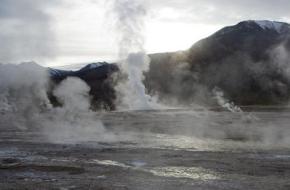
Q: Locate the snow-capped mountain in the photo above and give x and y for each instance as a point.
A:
(91, 71)
(271, 25)
(250, 61)
(257, 25)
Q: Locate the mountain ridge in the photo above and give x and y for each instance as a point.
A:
(240, 59)
(249, 62)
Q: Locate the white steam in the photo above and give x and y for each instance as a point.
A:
(24, 105)
(223, 102)
(22, 93)
(134, 61)
(74, 121)
(230, 106)
(73, 94)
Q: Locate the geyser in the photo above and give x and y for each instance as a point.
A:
(130, 16)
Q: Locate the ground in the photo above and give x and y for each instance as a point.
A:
(172, 149)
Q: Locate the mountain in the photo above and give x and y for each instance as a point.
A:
(97, 76)
(92, 71)
(249, 61)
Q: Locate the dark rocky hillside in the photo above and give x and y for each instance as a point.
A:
(98, 77)
(248, 61)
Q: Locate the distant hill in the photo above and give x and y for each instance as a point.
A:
(97, 76)
(248, 61)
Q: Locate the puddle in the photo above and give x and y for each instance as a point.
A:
(175, 172)
(111, 163)
(10, 152)
(282, 156)
(138, 163)
(184, 172)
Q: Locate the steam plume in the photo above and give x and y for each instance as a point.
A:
(24, 105)
(223, 102)
(130, 23)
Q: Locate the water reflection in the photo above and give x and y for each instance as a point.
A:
(196, 173)
(185, 172)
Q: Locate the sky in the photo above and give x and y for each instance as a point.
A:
(63, 32)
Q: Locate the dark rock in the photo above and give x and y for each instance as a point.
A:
(99, 78)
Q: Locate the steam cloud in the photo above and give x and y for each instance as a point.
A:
(74, 121)
(23, 93)
(24, 104)
(23, 88)
(223, 102)
(134, 61)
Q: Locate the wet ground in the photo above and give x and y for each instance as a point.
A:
(171, 149)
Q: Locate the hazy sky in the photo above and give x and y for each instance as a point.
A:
(57, 32)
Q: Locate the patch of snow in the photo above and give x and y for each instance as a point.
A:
(54, 72)
(265, 24)
(95, 65)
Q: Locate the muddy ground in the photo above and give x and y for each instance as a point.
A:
(172, 149)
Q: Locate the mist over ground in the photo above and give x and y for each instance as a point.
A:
(214, 116)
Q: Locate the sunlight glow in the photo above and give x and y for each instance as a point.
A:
(167, 36)
(92, 36)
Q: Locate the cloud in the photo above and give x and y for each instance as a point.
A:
(25, 32)
(223, 12)
(71, 30)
